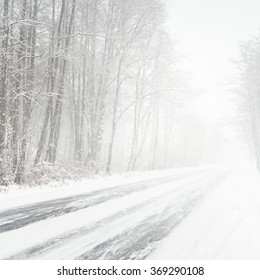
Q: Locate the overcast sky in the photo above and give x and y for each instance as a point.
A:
(208, 32)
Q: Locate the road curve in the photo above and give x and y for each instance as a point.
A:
(130, 232)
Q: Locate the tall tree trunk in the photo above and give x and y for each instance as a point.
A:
(53, 64)
(3, 94)
(91, 159)
(27, 104)
(55, 126)
(20, 101)
(136, 121)
(112, 138)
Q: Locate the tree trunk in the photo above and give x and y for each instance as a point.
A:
(55, 125)
(3, 81)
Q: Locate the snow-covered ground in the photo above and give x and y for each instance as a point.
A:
(22, 195)
(178, 213)
(225, 226)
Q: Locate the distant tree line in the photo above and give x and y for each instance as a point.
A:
(249, 108)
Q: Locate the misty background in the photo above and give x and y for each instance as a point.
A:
(108, 86)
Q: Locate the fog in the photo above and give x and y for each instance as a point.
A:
(129, 129)
(99, 87)
(209, 35)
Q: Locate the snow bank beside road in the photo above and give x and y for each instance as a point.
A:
(35, 234)
(18, 197)
(225, 226)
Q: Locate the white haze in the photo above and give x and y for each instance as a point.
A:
(208, 35)
(137, 122)
(174, 104)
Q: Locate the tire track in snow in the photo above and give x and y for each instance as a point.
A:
(140, 241)
(22, 216)
(137, 241)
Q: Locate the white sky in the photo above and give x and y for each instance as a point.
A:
(208, 33)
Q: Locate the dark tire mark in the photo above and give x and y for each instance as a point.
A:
(139, 242)
(25, 215)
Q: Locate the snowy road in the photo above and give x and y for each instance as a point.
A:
(125, 221)
(225, 226)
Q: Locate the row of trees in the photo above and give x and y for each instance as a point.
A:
(249, 70)
(84, 82)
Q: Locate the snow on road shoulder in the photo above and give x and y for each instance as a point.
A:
(15, 241)
(19, 197)
(225, 226)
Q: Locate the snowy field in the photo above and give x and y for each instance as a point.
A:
(197, 213)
